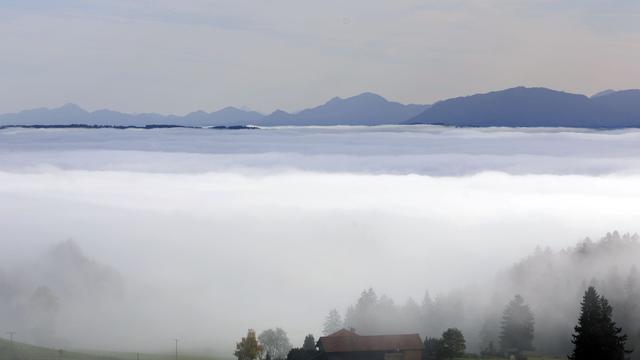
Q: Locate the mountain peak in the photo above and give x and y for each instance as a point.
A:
(198, 112)
(71, 107)
(369, 96)
(279, 113)
(231, 109)
(603, 93)
(334, 100)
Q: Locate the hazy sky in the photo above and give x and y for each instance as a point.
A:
(178, 56)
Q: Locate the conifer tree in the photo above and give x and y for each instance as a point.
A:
(517, 328)
(596, 336)
(332, 323)
(309, 343)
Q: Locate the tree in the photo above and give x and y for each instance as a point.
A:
(301, 354)
(248, 348)
(361, 315)
(275, 343)
(452, 344)
(309, 343)
(489, 351)
(431, 348)
(516, 332)
(596, 335)
(332, 323)
(43, 310)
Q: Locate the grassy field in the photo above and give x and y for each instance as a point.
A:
(20, 351)
(530, 358)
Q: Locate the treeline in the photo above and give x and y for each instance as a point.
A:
(552, 283)
(596, 336)
(273, 344)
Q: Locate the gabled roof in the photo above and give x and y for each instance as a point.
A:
(344, 332)
(347, 341)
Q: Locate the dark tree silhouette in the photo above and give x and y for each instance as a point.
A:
(452, 344)
(302, 354)
(309, 343)
(516, 333)
(431, 348)
(596, 336)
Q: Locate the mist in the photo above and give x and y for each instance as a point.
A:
(146, 236)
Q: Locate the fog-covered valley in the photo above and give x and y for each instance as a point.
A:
(201, 234)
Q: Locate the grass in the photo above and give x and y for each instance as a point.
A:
(21, 351)
(529, 357)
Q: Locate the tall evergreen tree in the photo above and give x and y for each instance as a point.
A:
(366, 314)
(332, 323)
(517, 328)
(596, 336)
(309, 343)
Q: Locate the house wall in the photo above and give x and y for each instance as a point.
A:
(412, 355)
(357, 355)
(376, 355)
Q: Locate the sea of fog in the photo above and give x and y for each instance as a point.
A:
(217, 231)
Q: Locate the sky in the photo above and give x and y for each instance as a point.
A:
(215, 232)
(177, 57)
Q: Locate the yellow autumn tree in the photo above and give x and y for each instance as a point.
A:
(248, 348)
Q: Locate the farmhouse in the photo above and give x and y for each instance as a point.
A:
(347, 345)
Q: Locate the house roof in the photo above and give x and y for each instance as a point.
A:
(343, 332)
(347, 341)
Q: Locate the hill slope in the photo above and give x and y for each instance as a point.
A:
(536, 107)
(363, 109)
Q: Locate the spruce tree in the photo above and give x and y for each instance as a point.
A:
(332, 323)
(516, 333)
(596, 336)
(309, 343)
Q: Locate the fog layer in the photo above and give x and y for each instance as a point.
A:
(201, 234)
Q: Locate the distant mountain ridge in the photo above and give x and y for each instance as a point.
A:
(536, 107)
(73, 114)
(514, 107)
(363, 109)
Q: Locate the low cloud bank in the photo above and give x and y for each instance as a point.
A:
(204, 235)
(425, 150)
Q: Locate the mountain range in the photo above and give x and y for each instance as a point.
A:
(514, 107)
(363, 109)
(536, 107)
